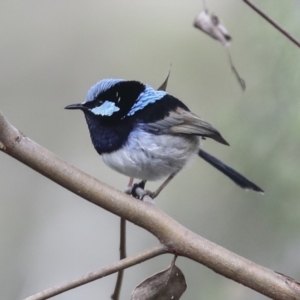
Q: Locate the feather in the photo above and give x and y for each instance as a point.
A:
(181, 121)
(148, 96)
(236, 177)
(100, 87)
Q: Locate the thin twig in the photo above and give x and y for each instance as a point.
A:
(122, 249)
(276, 25)
(108, 270)
(178, 239)
(240, 80)
(116, 293)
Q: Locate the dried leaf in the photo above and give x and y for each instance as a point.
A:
(165, 285)
(240, 80)
(163, 86)
(211, 25)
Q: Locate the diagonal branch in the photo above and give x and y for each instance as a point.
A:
(108, 270)
(273, 23)
(178, 239)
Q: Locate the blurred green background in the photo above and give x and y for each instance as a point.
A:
(53, 51)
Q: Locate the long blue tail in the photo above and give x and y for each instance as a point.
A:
(236, 177)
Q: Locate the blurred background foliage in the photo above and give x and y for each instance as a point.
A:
(53, 51)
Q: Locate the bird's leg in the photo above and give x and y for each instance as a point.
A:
(162, 186)
(128, 189)
(149, 193)
(156, 193)
(130, 183)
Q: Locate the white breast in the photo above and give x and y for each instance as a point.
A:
(151, 157)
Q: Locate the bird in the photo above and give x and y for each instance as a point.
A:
(148, 134)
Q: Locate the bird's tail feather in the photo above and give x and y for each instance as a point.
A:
(236, 177)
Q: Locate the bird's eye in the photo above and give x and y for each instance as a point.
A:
(93, 104)
(118, 97)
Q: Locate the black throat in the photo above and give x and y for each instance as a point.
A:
(107, 136)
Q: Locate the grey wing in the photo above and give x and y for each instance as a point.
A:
(181, 121)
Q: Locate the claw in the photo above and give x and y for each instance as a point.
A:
(141, 194)
(140, 185)
(150, 198)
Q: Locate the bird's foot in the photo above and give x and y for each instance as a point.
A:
(138, 192)
(128, 190)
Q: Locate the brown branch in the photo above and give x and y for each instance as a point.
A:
(92, 276)
(178, 239)
(273, 23)
(116, 293)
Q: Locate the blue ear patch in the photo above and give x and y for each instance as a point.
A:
(105, 109)
(100, 87)
(148, 96)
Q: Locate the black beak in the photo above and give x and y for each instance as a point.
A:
(75, 106)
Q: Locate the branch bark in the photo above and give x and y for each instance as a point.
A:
(178, 239)
(117, 290)
(92, 276)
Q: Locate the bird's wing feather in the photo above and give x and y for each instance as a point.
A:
(182, 121)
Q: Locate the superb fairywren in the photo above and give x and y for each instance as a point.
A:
(148, 134)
